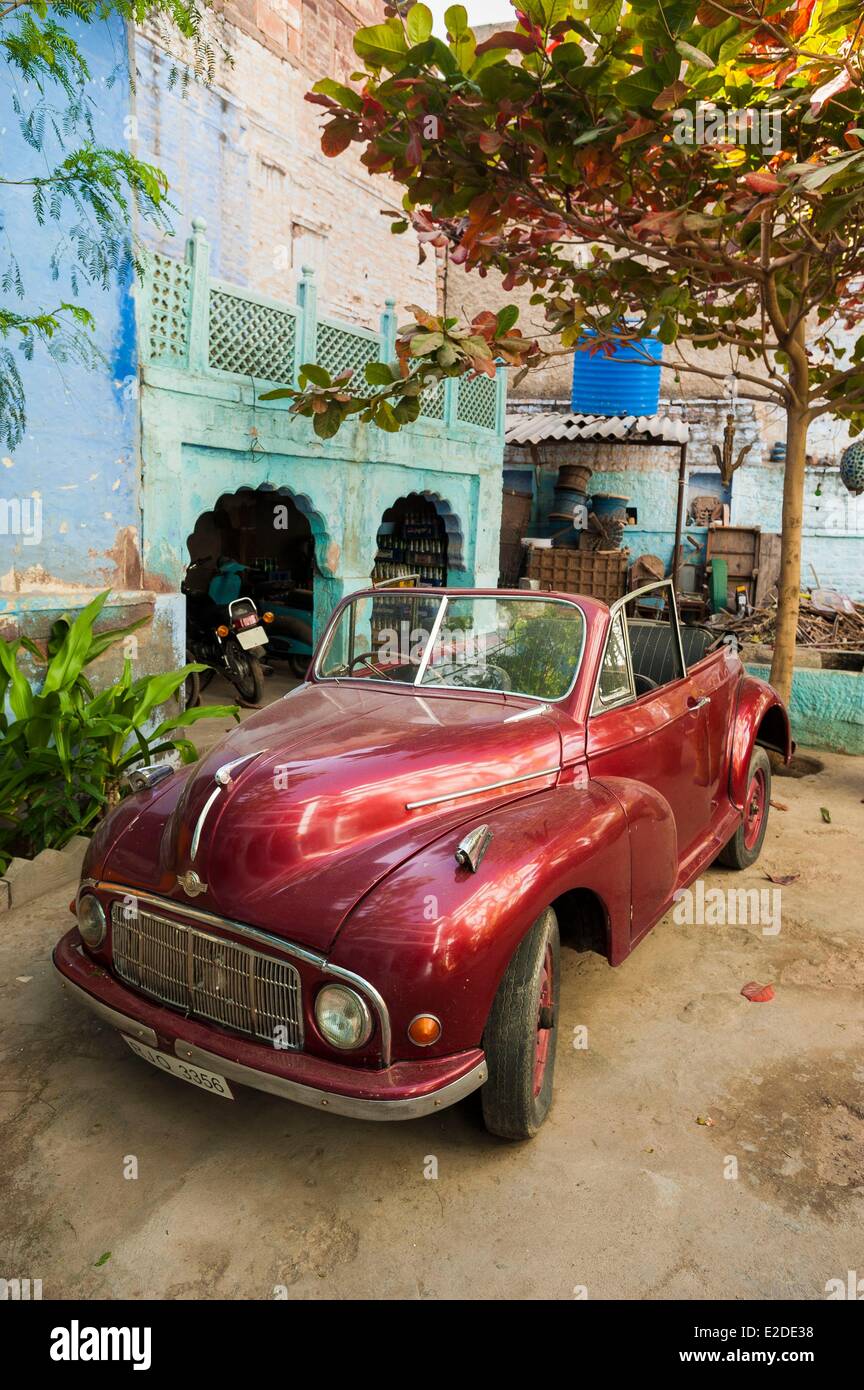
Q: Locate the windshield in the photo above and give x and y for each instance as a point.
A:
(528, 646)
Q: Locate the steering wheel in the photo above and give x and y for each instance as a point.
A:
(364, 657)
(642, 684)
(486, 677)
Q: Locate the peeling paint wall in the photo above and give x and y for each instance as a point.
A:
(79, 454)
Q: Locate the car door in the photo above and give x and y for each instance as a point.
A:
(654, 745)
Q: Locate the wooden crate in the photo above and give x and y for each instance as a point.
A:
(600, 573)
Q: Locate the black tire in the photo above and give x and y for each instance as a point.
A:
(299, 665)
(512, 1107)
(245, 674)
(192, 690)
(745, 845)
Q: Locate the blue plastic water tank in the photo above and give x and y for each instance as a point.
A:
(620, 384)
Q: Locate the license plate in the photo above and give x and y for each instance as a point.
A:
(196, 1076)
(255, 637)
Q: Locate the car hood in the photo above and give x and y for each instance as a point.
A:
(325, 804)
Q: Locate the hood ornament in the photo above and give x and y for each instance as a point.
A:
(471, 849)
(191, 883)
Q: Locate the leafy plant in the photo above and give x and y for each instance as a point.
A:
(65, 749)
(88, 190)
(615, 128)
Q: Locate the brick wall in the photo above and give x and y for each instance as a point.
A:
(245, 154)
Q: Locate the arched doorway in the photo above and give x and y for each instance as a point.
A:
(265, 530)
(413, 539)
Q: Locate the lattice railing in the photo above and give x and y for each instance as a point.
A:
(337, 348)
(200, 324)
(251, 338)
(433, 402)
(169, 283)
(477, 402)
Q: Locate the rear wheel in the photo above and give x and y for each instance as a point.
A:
(521, 1035)
(746, 844)
(245, 673)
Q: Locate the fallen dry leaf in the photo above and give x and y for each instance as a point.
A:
(779, 805)
(782, 878)
(758, 994)
(825, 814)
(704, 1120)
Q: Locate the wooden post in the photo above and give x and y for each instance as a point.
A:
(679, 515)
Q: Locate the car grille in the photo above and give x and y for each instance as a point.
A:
(208, 976)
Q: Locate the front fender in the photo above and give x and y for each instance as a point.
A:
(434, 937)
(760, 716)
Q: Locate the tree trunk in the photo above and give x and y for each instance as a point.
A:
(789, 583)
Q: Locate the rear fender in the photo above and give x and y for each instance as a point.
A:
(760, 717)
(436, 938)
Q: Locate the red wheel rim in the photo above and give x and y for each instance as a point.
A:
(754, 808)
(545, 1002)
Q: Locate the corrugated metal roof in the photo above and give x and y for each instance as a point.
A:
(554, 426)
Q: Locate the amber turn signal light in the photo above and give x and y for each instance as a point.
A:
(221, 630)
(266, 617)
(424, 1030)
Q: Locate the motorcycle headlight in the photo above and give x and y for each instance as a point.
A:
(343, 1017)
(91, 920)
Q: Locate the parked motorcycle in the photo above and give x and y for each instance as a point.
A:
(224, 629)
(291, 631)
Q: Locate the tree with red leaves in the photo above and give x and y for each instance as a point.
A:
(710, 153)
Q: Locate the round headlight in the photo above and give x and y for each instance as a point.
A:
(91, 920)
(343, 1017)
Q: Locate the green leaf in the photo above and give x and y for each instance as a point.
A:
(382, 45)
(456, 19)
(604, 15)
(419, 23)
(506, 319)
(346, 96)
(378, 374)
(639, 91)
(424, 343)
(695, 55)
(103, 1259)
(319, 376)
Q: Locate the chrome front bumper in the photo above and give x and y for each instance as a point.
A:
(356, 1107)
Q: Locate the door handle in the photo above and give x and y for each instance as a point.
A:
(693, 704)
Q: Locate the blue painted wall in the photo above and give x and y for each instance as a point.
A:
(79, 453)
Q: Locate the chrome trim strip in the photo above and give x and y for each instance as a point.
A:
(476, 791)
(350, 978)
(196, 838)
(222, 778)
(433, 637)
(108, 1015)
(266, 939)
(356, 1107)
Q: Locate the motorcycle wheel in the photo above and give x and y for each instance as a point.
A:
(245, 674)
(192, 684)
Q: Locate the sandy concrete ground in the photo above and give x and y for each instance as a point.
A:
(623, 1192)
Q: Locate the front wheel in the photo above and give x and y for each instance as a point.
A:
(746, 844)
(522, 1034)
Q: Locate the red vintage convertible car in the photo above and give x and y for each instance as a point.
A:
(354, 901)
